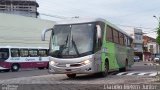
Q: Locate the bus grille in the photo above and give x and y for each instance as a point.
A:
(71, 65)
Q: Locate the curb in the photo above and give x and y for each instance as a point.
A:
(152, 64)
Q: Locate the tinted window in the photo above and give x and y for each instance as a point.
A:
(129, 42)
(121, 38)
(43, 52)
(4, 54)
(72, 40)
(109, 35)
(14, 52)
(115, 36)
(125, 40)
(24, 52)
(33, 52)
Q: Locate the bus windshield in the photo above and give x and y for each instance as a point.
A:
(4, 54)
(72, 40)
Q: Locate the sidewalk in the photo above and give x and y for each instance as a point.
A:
(142, 63)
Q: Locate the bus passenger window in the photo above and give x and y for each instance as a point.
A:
(24, 52)
(15, 52)
(125, 40)
(43, 52)
(4, 54)
(121, 38)
(129, 43)
(109, 35)
(115, 36)
(33, 52)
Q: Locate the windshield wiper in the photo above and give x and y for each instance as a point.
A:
(58, 53)
(75, 46)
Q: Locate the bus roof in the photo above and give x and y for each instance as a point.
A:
(87, 20)
(23, 47)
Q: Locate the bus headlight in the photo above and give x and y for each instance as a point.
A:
(52, 63)
(86, 62)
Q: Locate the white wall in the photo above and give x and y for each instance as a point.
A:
(155, 47)
(23, 31)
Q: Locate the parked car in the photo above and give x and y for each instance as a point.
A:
(136, 59)
(157, 58)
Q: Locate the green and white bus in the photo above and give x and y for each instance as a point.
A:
(85, 46)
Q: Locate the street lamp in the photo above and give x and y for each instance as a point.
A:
(158, 19)
(155, 17)
(158, 28)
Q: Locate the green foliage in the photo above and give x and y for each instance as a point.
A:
(158, 39)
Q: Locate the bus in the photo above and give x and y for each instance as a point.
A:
(14, 58)
(86, 46)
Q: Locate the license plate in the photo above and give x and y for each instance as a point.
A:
(68, 69)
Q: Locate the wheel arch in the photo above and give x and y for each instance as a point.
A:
(16, 64)
(106, 60)
(126, 62)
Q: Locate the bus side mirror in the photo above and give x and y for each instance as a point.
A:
(98, 31)
(44, 33)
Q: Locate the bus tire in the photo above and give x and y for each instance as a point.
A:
(40, 68)
(124, 69)
(6, 70)
(71, 75)
(15, 67)
(105, 72)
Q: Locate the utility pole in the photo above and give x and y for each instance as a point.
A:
(158, 41)
(158, 30)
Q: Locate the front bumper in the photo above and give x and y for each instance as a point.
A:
(84, 69)
(2, 68)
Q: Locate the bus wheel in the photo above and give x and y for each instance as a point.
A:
(71, 75)
(15, 67)
(124, 69)
(40, 68)
(106, 69)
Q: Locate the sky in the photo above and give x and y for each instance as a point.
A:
(123, 13)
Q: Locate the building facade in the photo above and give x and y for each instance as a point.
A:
(23, 31)
(137, 36)
(19, 7)
(150, 48)
(138, 43)
(138, 40)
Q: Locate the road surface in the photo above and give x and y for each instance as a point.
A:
(139, 74)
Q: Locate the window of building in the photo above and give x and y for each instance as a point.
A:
(14, 52)
(151, 46)
(138, 37)
(138, 45)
